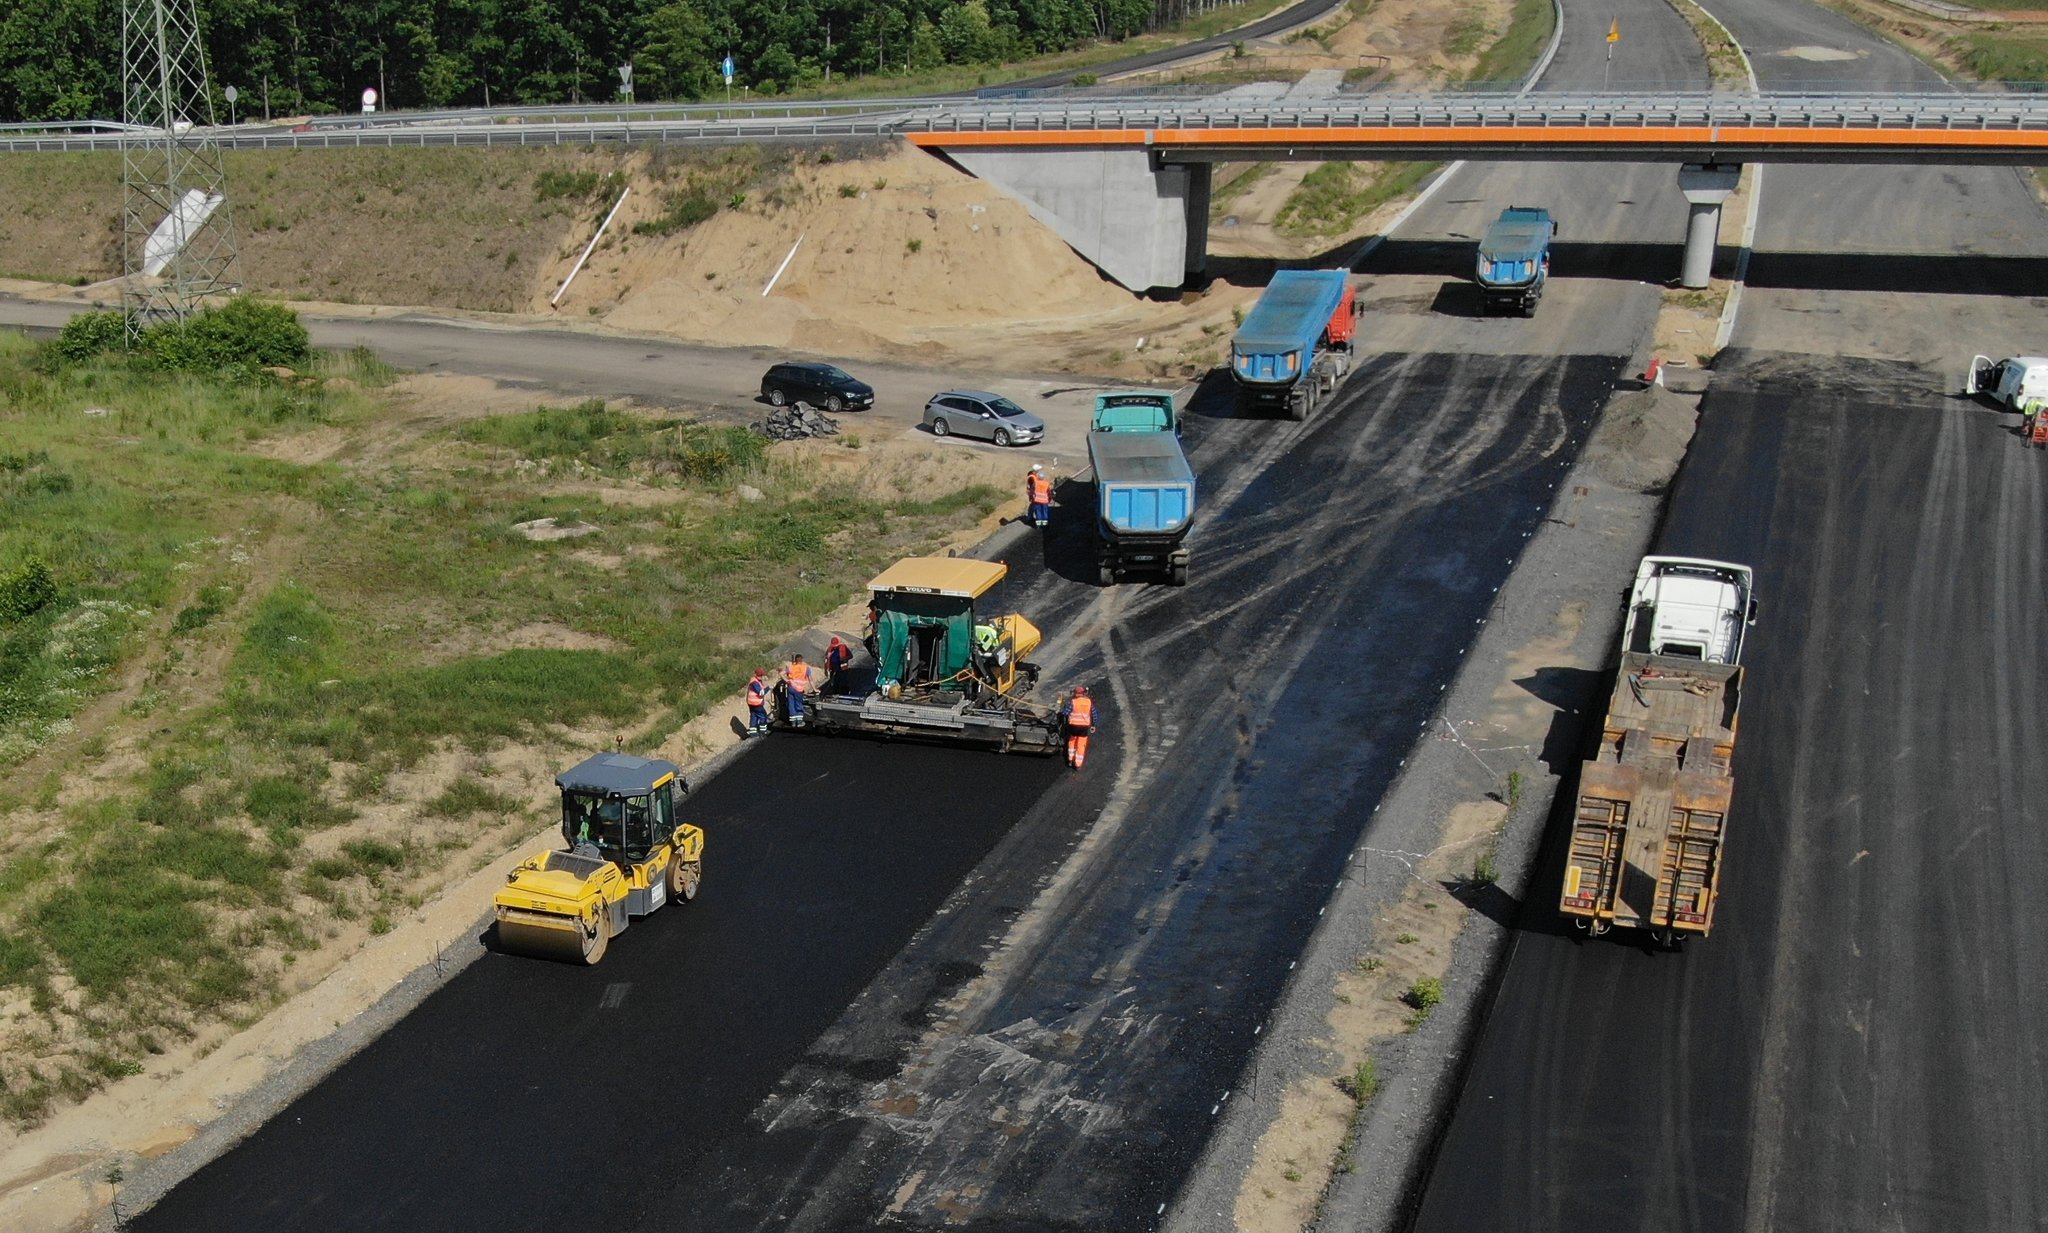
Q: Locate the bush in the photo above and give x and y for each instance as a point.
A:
(89, 334)
(27, 590)
(244, 332)
(1425, 995)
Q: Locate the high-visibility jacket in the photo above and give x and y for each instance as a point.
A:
(1081, 713)
(1038, 489)
(757, 692)
(986, 637)
(799, 677)
(837, 656)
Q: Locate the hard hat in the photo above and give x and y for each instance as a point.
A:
(1079, 690)
(1037, 466)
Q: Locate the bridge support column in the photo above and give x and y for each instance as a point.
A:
(1707, 186)
(1142, 222)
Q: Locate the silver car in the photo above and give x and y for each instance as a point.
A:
(978, 413)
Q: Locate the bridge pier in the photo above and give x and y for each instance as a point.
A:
(1707, 187)
(1141, 221)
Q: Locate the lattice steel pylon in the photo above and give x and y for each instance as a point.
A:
(177, 236)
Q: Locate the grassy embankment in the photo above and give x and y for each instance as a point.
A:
(456, 228)
(1336, 195)
(2012, 54)
(266, 650)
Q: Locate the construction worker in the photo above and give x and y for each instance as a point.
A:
(796, 677)
(1038, 491)
(838, 657)
(1079, 714)
(757, 704)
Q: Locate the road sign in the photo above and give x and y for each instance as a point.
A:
(369, 99)
(231, 94)
(626, 76)
(726, 68)
(1614, 31)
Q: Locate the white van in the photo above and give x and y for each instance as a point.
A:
(2011, 383)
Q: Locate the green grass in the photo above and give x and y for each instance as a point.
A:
(1519, 47)
(467, 796)
(1222, 195)
(1335, 196)
(373, 641)
(2002, 55)
(1466, 34)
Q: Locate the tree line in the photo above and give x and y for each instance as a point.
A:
(61, 59)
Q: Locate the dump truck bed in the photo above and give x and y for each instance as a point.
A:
(1653, 803)
(1143, 480)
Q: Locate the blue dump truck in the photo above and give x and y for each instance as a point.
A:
(1514, 260)
(1295, 347)
(1144, 488)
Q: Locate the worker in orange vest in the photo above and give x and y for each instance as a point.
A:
(1079, 714)
(796, 678)
(757, 704)
(1038, 491)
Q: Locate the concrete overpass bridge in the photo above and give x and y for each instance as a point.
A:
(1126, 180)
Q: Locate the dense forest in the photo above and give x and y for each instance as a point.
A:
(61, 59)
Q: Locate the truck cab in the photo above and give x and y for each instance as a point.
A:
(1514, 260)
(1689, 608)
(1134, 411)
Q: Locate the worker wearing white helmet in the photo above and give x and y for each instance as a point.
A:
(1038, 492)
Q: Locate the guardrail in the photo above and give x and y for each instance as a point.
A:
(1133, 118)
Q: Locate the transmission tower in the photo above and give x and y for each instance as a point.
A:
(177, 241)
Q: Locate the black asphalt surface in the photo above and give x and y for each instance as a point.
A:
(788, 1035)
(1858, 1045)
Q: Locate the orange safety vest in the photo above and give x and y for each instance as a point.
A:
(757, 692)
(1038, 488)
(1081, 713)
(799, 677)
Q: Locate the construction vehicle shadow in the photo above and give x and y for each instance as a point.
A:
(1458, 299)
(1068, 547)
(1215, 398)
(1575, 695)
(1487, 899)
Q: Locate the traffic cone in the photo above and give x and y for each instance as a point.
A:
(1654, 374)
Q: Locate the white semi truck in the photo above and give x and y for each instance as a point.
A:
(1653, 803)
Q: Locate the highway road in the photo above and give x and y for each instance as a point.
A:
(851, 1025)
(1858, 1046)
(944, 989)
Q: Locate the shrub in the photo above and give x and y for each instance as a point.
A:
(1084, 79)
(27, 590)
(244, 332)
(89, 334)
(849, 190)
(1425, 994)
(571, 184)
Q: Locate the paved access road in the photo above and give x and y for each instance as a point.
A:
(1858, 1046)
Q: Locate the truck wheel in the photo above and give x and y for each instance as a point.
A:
(1297, 407)
(1178, 575)
(777, 398)
(1106, 574)
(939, 428)
(684, 877)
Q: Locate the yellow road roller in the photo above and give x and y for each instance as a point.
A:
(627, 853)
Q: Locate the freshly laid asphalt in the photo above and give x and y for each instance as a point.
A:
(788, 1038)
(1858, 1044)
